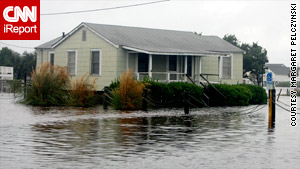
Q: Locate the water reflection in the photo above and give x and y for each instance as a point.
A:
(122, 137)
(88, 138)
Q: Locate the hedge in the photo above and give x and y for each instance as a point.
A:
(174, 92)
(236, 95)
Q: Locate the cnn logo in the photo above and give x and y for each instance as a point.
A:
(20, 20)
(19, 14)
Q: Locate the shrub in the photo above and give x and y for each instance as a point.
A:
(236, 95)
(174, 92)
(259, 95)
(83, 92)
(129, 93)
(48, 86)
(114, 84)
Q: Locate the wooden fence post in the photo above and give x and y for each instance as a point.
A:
(144, 100)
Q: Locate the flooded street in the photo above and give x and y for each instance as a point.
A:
(60, 137)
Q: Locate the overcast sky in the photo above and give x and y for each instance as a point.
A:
(266, 22)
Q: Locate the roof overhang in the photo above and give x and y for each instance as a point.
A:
(216, 54)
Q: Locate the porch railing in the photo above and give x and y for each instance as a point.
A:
(176, 77)
(162, 76)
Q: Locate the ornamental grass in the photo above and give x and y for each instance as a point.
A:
(52, 86)
(48, 86)
(128, 96)
(83, 91)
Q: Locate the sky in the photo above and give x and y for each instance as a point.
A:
(265, 22)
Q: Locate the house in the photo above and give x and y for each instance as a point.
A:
(105, 51)
(6, 73)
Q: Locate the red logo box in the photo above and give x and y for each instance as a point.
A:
(20, 20)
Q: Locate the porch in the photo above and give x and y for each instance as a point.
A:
(177, 68)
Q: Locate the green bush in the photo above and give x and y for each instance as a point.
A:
(174, 92)
(259, 95)
(236, 95)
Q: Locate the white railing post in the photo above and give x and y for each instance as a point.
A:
(137, 76)
(185, 68)
(150, 66)
(168, 77)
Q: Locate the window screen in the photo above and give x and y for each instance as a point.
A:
(226, 68)
(71, 62)
(95, 64)
(52, 59)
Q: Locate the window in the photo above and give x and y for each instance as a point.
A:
(226, 74)
(52, 58)
(72, 62)
(83, 35)
(96, 62)
(172, 63)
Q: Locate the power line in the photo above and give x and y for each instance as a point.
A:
(104, 9)
(16, 46)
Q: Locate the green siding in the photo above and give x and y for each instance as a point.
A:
(109, 61)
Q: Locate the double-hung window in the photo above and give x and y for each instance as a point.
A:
(72, 62)
(52, 58)
(226, 74)
(96, 62)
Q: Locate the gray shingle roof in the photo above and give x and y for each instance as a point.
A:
(161, 41)
(48, 45)
(158, 40)
(278, 69)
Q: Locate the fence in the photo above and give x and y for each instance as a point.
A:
(13, 86)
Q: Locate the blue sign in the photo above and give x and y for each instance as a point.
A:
(269, 78)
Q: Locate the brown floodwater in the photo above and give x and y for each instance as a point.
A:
(68, 137)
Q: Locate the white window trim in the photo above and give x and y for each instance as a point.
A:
(231, 55)
(75, 60)
(100, 61)
(50, 56)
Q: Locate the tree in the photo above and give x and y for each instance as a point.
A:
(232, 39)
(22, 63)
(254, 59)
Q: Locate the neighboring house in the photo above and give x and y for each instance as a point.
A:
(105, 51)
(6, 73)
(280, 72)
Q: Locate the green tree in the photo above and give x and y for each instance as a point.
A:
(22, 63)
(232, 39)
(254, 57)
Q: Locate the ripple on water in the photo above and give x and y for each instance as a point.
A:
(65, 137)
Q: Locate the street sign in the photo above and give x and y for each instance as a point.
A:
(270, 81)
(269, 78)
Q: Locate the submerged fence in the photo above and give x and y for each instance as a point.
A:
(13, 86)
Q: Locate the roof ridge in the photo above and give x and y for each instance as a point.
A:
(138, 27)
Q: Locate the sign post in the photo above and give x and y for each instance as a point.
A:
(272, 100)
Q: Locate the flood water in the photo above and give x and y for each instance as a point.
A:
(56, 137)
